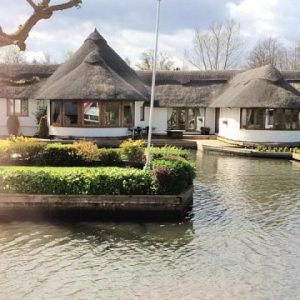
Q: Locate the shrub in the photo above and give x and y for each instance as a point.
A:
(160, 152)
(5, 151)
(110, 157)
(41, 112)
(30, 151)
(181, 176)
(43, 127)
(86, 151)
(133, 150)
(16, 138)
(164, 179)
(13, 125)
(80, 181)
(60, 155)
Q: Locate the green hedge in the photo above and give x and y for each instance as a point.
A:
(75, 180)
(174, 174)
(171, 172)
(159, 152)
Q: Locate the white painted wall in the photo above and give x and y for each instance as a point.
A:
(229, 127)
(137, 117)
(88, 132)
(210, 114)
(28, 125)
(160, 119)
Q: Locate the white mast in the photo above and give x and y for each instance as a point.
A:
(147, 165)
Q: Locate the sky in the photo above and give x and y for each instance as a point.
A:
(129, 25)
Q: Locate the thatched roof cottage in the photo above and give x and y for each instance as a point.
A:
(95, 93)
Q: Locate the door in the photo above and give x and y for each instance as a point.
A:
(217, 119)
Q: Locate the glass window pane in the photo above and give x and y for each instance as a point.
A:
(294, 119)
(250, 118)
(142, 113)
(181, 119)
(55, 112)
(24, 107)
(112, 114)
(279, 122)
(71, 113)
(10, 104)
(269, 118)
(17, 107)
(191, 119)
(244, 118)
(172, 122)
(260, 116)
(91, 113)
(128, 114)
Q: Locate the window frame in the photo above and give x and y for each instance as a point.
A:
(9, 114)
(271, 127)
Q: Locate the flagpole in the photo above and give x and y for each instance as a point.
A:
(147, 165)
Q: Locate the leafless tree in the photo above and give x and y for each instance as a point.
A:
(164, 61)
(272, 51)
(269, 51)
(218, 48)
(41, 10)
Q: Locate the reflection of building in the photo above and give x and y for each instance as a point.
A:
(95, 93)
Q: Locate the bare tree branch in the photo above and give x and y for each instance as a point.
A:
(218, 47)
(41, 11)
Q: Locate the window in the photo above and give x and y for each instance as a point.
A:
(111, 114)
(128, 114)
(183, 118)
(142, 113)
(70, 113)
(277, 119)
(17, 107)
(55, 112)
(91, 113)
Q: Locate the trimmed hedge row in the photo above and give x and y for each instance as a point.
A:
(79, 181)
(170, 173)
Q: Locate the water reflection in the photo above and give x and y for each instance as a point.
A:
(241, 241)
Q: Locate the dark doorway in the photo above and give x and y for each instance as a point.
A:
(217, 118)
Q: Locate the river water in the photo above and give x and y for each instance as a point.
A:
(241, 241)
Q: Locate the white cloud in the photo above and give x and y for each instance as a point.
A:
(132, 43)
(261, 18)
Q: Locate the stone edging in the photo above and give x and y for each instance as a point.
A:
(126, 203)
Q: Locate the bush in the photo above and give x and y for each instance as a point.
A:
(41, 112)
(59, 155)
(110, 157)
(86, 151)
(133, 151)
(180, 178)
(172, 150)
(13, 125)
(30, 151)
(43, 127)
(80, 181)
(5, 151)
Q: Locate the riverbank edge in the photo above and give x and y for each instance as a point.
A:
(249, 153)
(174, 206)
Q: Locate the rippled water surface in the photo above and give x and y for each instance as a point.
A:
(241, 241)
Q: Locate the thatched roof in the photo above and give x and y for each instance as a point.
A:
(12, 76)
(25, 71)
(260, 87)
(95, 71)
(187, 88)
